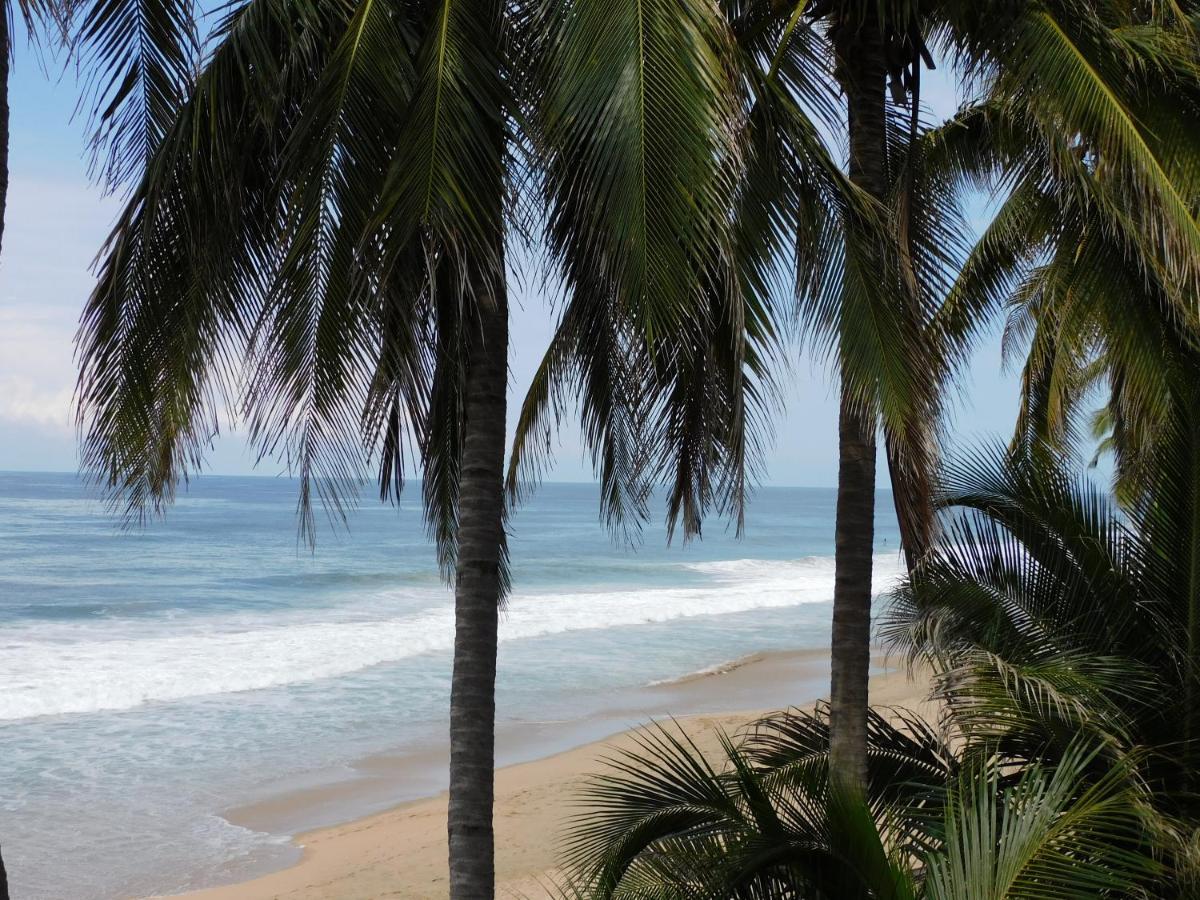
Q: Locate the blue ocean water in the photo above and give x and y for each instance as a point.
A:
(152, 679)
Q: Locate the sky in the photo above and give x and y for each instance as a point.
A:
(57, 219)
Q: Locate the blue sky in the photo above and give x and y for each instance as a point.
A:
(56, 220)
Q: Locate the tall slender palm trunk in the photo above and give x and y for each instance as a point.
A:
(4, 64)
(478, 591)
(862, 73)
(1191, 713)
(4, 113)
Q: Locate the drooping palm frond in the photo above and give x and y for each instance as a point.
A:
(451, 146)
(1076, 126)
(140, 57)
(161, 333)
(326, 324)
(932, 241)
(304, 251)
(984, 149)
(638, 125)
(1087, 70)
(47, 25)
(1092, 296)
(1086, 89)
(442, 209)
(1093, 323)
(790, 203)
(660, 339)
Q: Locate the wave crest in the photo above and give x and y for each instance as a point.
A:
(40, 677)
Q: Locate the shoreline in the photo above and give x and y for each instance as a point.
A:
(417, 771)
(398, 848)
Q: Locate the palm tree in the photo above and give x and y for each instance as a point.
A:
(1037, 75)
(662, 822)
(319, 241)
(1106, 310)
(870, 255)
(800, 224)
(1064, 68)
(335, 133)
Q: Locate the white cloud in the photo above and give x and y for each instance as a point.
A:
(36, 368)
(53, 229)
(24, 401)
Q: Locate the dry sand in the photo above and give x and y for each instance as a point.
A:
(402, 852)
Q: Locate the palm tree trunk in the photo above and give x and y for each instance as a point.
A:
(4, 64)
(478, 591)
(1192, 543)
(850, 646)
(862, 73)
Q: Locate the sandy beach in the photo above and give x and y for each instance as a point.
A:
(401, 852)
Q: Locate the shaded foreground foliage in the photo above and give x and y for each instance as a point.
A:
(1063, 629)
(1063, 765)
(769, 823)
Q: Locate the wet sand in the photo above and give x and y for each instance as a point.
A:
(401, 851)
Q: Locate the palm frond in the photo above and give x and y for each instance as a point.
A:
(664, 339)
(140, 57)
(445, 192)
(1056, 832)
(161, 333)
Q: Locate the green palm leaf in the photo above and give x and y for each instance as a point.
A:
(1052, 834)
(140, 57)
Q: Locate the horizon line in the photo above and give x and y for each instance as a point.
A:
(287, 477)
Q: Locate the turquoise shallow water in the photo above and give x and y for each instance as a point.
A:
(151, 679)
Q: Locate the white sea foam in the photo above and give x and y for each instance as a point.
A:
(80, 673)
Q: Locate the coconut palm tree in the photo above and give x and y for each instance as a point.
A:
(870, 254)
(1066, 68)
(320, 243)
(1019, 119)
(801, 227)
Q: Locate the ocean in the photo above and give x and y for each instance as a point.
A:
(152, 679)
